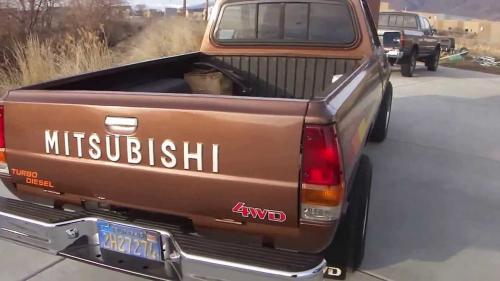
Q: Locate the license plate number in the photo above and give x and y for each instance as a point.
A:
(393, 53)
(130, 240)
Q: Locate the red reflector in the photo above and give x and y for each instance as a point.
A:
(321, 161)
(2, 127)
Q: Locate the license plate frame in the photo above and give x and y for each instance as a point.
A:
(130, 240)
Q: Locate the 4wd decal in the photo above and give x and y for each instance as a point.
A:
(258, 213)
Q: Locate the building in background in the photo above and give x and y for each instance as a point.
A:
(494, 32)
(433, 18)
(450, 25)
(385, 7)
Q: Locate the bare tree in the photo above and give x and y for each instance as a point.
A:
(93, 13)
(29, 14)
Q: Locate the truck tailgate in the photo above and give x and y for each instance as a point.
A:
(198, 156)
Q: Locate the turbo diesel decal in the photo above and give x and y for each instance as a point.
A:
(258, 213)
(32, 178)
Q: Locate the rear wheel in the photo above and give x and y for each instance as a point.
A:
(408, 68)
(433, 61)
(348, 247)
(358, 212)
(381, 126)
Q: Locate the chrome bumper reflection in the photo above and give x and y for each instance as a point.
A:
(78, 239)
(394, 53)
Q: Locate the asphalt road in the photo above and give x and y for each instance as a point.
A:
(435, 212)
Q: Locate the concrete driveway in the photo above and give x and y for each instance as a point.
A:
(435, 212)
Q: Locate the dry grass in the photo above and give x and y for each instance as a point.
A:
(31, 62)
(485, 50)
(165, 37)
(40, 60)
(479, 48)
(36, 60)
(84, 53)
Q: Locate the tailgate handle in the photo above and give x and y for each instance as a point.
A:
(121, 125)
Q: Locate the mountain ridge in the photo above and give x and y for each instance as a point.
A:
(480, 9)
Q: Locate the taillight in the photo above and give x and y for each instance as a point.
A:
(4, 169)
(322, 188)
(402, 40)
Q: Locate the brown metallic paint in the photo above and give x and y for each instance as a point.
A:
(361, 49)
(356, 98)
(259, 151)
(375, 9)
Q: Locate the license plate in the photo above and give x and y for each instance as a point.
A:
(394, 53)
(129, 240)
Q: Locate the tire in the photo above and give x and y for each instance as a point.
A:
(358, 213)
(348, 247)
(381, 126)
(408, 68)
(432, 62)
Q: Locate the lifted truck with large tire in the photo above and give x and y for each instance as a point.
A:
(243, 161)
(408, 38)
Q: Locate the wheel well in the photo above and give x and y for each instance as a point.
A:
(360, 164)
(415, 48)
(388, 86)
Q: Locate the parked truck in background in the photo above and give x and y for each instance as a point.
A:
(243, 161)
(408, 38)
(448, 45)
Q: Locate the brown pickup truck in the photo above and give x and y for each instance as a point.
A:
(243, 161)
(408, 38)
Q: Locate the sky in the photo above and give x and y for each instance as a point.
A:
(164, 3)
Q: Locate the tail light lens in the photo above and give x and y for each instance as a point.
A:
(402, 40)
(322, 188)
(4, 169)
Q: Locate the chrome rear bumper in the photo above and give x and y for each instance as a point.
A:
(394, 53)
(186, 257)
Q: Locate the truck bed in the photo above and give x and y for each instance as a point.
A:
(267, 76)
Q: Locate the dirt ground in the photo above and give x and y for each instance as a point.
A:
(469, 64)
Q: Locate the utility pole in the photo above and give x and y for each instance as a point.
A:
(184, 8)
(206, 10)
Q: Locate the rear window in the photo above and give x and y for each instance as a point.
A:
(286, 22)
(391, 38)
(400, 21)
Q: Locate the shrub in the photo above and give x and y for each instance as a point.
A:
(38, 60)
(35, 60)
(165, 37)
(479, 48)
